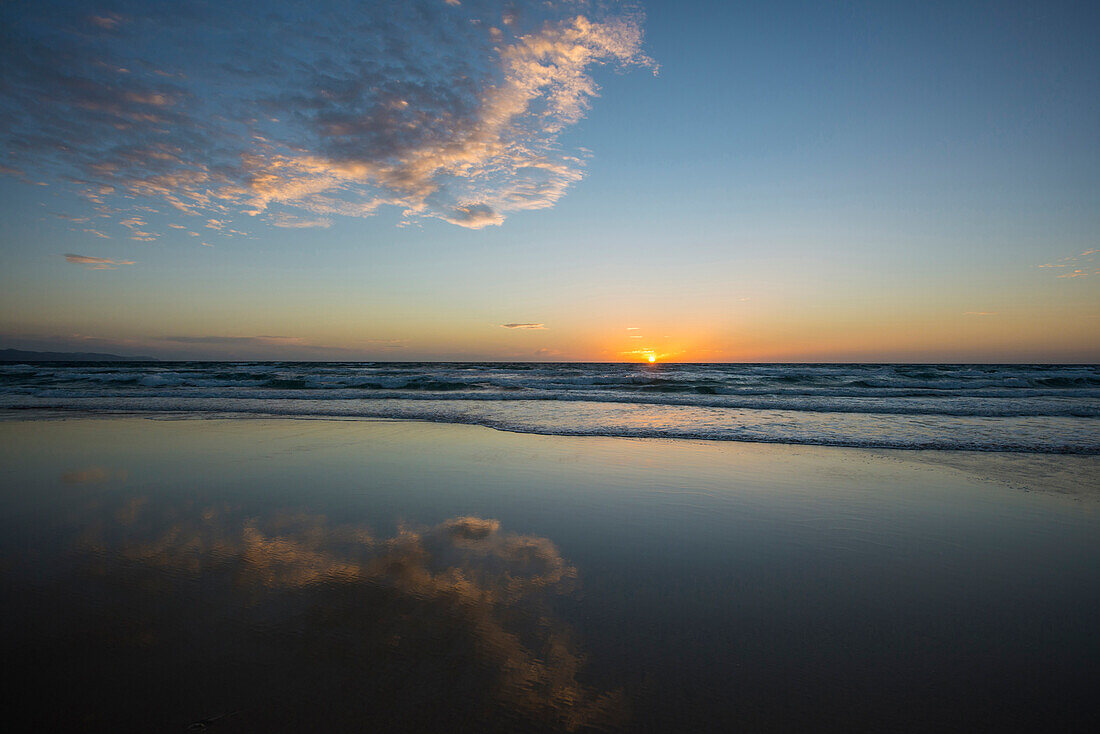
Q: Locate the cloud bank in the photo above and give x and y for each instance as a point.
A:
(309, 110)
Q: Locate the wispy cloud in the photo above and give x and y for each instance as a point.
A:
(524, 326)
(136, 226)
(96, 263)
(330, 108)
(265, 340)
(1073, 261)
(289, 221)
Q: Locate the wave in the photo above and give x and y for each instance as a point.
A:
(1046, 434)
(1047, 408)
(1028, 404)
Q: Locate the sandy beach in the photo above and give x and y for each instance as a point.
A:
(260, 574)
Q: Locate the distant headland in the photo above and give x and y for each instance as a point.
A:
(19, 355)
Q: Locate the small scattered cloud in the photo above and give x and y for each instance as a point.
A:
(473, 216)
(1074, 261)
(387, 343)
(137, 232)
(96, 263)
(290, 221)
(107, 22)
(523, 326)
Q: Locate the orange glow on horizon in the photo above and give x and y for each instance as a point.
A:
(653, 358)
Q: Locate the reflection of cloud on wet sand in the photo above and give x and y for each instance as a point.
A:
(463, 602)
(93, 475)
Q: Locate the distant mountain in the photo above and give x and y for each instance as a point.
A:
(18, 355)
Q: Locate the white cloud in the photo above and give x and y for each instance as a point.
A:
(360, 107)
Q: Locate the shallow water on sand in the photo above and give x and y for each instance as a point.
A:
(289, 575)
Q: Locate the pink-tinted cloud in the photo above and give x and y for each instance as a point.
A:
(96, 263)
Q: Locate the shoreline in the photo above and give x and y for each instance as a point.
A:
(488, 421)
(1074, 477)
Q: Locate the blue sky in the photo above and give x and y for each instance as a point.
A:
(701, 181)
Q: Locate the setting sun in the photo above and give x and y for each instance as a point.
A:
(652, 358)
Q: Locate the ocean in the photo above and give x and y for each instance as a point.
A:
(995, 408)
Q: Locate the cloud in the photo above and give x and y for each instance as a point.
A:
(1072, 261)
(96, 263)
(327, 108)
(523, 326)
(135, 225)
(474, 216)
(234, 339)
(106, 22)
(387, 343)
(282, 219)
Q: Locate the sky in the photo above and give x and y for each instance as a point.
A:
(552, 181)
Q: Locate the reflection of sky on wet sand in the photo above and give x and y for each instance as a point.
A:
(402, 576)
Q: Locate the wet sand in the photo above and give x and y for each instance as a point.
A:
(298, 575)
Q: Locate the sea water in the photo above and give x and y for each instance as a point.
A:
(1001, 408)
